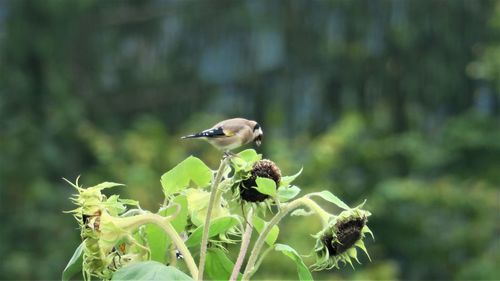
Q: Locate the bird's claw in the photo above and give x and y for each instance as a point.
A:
(229, 154)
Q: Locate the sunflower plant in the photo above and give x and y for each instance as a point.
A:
(203, 212)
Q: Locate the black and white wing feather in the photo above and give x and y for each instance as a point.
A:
(210, 133)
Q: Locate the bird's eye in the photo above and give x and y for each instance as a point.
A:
(257, 126)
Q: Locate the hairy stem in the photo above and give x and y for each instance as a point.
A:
(245, 240)
(261, 258)
(313, 206)
(284, 210)
(211, 203)
(178, 242)
(173, 256)
(260, 242)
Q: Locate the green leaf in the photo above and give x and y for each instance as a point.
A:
(180, 220)
(287, 180)
(198, 206)
(286, 193)
(106, 184)
(158, 241)
(328, 196)
(217, 226)
(250, 155)
(191, 169)
(266, 186)
(245, 160)
(75, 264)
(353, 253)
(114, 206)
(366, 229)
(218, 265)
(290, 252)
(361, 205)
(360, 244)
(259, 224)
(149, 270)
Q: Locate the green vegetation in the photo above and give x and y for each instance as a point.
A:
(393, 101)
(119, 243)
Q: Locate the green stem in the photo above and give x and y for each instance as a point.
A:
(178, 242)
(324, 215)
(211, 203)
(285, 209)
(173, 256)
(260, 242)
(245, 240)
(262, 257)
(133, 222)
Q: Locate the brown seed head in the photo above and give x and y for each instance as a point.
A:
(264, 169)
(347, 234)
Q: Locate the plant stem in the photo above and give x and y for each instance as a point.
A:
(261, 258)
(211, 203)
(245, 240)
(178, 242)
(260, 241)
(173, 256)
(285, 209)
(311, 204)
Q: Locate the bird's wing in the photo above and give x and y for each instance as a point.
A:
(210, 133)
(215, 132)
(232, 126)
(219, 132)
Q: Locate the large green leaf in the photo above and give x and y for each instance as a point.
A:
(328, 196)
(246, 159)
(198, 206)
(191, 169)
(286, 193)
(287, 180)
(158, 241)
(218, 265)
(150, 270)
(249, 155)
(180, 220)
(75, 264)
(217, 226)
(266, 186)
(259, 224)
(302, 270)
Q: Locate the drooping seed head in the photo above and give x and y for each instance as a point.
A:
(337, 242)
(265, 169)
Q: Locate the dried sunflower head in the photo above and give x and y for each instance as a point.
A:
(248, 187)
(337, 242)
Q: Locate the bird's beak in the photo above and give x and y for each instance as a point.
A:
(258, 140)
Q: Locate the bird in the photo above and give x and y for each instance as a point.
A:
(231, 134)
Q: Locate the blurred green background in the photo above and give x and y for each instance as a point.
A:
(393, 101)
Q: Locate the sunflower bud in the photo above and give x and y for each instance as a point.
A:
(264, 169)
(337, 242)
(104, 233)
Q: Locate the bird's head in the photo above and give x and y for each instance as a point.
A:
(257, 133)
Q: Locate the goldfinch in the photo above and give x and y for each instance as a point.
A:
(231, 133)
